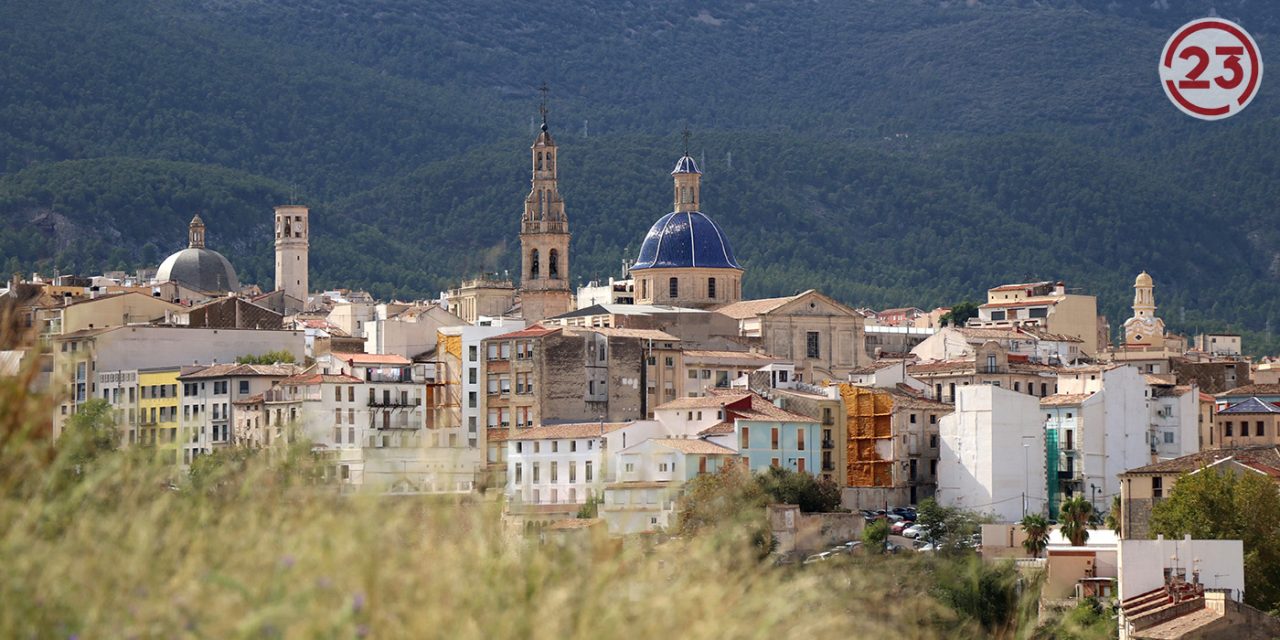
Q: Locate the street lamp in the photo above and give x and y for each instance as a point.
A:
(1093, 493)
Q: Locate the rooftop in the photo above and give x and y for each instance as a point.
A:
(1248, 406)
(1251, 390)
(571, 430)
(1064, 399)
(744, 309)
(240, 370)
(1259, 457)
(694, 446)
(371, 358)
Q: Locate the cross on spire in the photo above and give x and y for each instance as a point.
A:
(685, 134)
(542, 108)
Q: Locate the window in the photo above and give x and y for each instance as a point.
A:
(471, 400)
(1168, 437)
(933, 441)
(351, 394)
(775, 463)
(800, 440)
(811, 344)
(673, 288)
(586, 471)
(1260, 431)
(913, 418)
(991, 363)
(693, 374)
(1228, 427)
(711, 288)
(536, 469)
(773, 438)
(573, 472)
(519, 470)
(630, 467)
(664, 467)
(1157, 487)
(553, 264)
(337, 416)
(473, 353)
(744, 438)
(933, 418)
(555, 469)
(337, 435)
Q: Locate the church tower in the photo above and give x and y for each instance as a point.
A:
(1144, 328)
(293, 233)
(544, 235)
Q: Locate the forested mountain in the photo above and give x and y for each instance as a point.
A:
(889, 153)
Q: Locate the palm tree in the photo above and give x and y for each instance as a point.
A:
(1075, 514)
(1037, 530)
(1113, 516)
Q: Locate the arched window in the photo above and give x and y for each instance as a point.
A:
(539, 165)
(553, 264)
(711, 288)
(533, 264)
(551, 164)
(673, 288)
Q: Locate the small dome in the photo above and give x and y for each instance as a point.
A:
(1143, 280)
(685, 239)
(198, 268)
(685, 165)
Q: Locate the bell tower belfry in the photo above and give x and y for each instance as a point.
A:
(1144, 328)
(293, 233)
(544, 234)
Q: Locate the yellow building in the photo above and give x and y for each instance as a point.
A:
(158, 406)
(1042, 304)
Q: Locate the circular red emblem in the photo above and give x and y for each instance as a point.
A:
(1211, 68)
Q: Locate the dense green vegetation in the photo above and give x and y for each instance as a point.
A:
(905, 153)
(1221, 505)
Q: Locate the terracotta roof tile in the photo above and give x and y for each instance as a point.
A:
(1257, 456)
(1251, 390)
(1064, 399)
(694, 446)
(536, 331)
(573, 430)
(240, 370)
(744, 309)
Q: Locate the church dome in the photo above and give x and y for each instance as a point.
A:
(1143, 280)
(685, 239)
(198, 267)
(203, 269)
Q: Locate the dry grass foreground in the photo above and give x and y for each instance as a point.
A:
(108, 547)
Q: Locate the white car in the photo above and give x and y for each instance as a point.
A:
(818, 557)
(912, 531)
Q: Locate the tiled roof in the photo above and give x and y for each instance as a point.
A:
(744, 309)
(764, 410)
(982, 333)
(1267, 456)
(704, 402)
(1041, 334)
(1021, 285)
(716, 429)
(940, 366)
(693, 446)
(253, 399)
(1064, 399)
(868, 369)
(618, 332)
(318, 378)
(743, 355)
(536, 331)
(909, 401)
(1251, 405)
(1026, 302)
(240, 370)
(371, 358)
(1252, 390)
(573, 430)
(1161, 379)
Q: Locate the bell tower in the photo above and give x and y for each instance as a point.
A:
(544, 234)
(195, 233)
(1144, 328)
(293, 233)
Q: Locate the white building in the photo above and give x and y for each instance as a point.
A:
(406, 330)
(1102, 423)
(611, 292)
(992, 454)
(647, 478)
(957, 343)
(465, 339)
(1175, 418)
(553, 470)
(209, 400)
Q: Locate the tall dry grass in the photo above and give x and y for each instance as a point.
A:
(108, 547)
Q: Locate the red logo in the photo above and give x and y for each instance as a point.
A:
(1211, 68)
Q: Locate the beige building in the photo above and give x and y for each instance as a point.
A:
(1246, 423)
(892, 447)
(991, 364)
(544, 237)
(686, 260)
(1142, 488)
(1042, 304)
(821, 336)
(485, 296)
(113, 310)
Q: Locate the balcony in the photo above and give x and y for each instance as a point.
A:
(828, 444)
(828, 466)
(391, 403)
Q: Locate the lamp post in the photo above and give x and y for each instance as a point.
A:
(1093, 496)
(1026, 476)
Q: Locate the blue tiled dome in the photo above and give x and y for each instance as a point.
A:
(685, 239)
(685, 165)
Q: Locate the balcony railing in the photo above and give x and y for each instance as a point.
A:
(828, 444)
(393, 403)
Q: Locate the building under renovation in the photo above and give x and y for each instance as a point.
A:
(892, 447)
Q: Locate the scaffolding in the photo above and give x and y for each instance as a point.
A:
(1051, 471)
(869, 418)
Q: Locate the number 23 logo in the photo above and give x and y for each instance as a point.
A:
(1230, 62)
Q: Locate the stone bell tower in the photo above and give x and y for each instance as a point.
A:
(544, 235)
(293, 233)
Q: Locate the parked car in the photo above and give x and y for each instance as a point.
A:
(851, 545)
(890, 547)
(893, 517)
(926, 547)
(912, 531)
(818, 557)
(898, 527)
